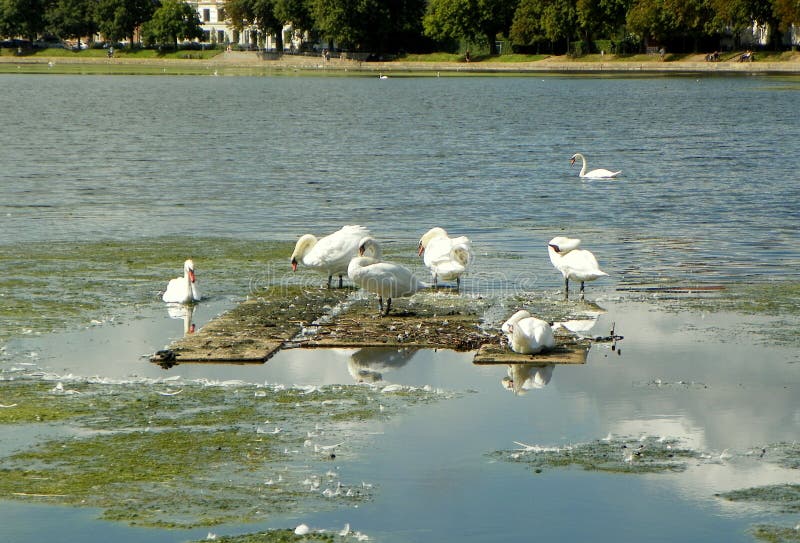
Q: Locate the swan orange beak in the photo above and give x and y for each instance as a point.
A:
(294, 265)
(572, 161)
(191, 275)
(421, 250)
(555, 248)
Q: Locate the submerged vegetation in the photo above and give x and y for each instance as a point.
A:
(192, 454)
(618, 455)
(102, 280)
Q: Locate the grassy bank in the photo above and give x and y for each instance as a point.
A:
(216, 62)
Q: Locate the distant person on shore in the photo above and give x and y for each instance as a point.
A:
(110, 52)
(662, 53)
(466, 56)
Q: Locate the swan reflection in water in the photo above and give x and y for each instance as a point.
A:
(524, 377)
(367, 365)
(183, 312)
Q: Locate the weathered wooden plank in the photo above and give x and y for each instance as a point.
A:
(566, 352)
(425, 323)
(256, 329)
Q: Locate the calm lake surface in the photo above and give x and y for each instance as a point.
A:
(106, 174)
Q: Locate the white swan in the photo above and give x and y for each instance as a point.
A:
(446, 257)
(369, 246)
(573, 263)
(331, 254)
(182, 290)
(386, 279)
(599, 173)
(527, 334)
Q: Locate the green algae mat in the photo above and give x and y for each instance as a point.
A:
(176, 454)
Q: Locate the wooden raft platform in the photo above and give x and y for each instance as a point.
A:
(287, 316)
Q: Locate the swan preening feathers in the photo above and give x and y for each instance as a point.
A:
(599, 173)
(183, 290)
(446, 257)
(386, 279)
(330, 255)
(528, 335)
(573, 263)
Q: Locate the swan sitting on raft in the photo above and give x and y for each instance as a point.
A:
(386, 279)
(331, 254)
(446, 257)
(183, 290)
(599, 173)
(528, 335)
(573, 263)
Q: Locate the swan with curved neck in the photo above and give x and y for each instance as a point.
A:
(573, 263)
(528, 335)
(386, 279)
(600, 173)
(183, 290)
(330, 254)
(446, 257)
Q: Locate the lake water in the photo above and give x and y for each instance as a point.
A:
(108, 182)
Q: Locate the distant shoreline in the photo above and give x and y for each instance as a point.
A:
(246, 62)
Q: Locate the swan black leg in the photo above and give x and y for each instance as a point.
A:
(330, 278)
(340, 281)
(388, 306)
(581, 290)
(380, 305)
(458, 284)
(566, 288)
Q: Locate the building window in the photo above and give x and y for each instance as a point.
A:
(206, 15)
(221, 36)
(220, 14)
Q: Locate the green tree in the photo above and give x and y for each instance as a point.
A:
(22, 18)
(349, 23)
(71, 19)
(543, 21)
(471, 20)
(296, 12)
(601, 17)
(787, 13)
(172, 21)
(119, 19)
(650, 19)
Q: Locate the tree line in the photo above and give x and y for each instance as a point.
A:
(391, 26)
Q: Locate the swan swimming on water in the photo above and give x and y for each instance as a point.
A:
(528, 335)
(446, 257)
(599, 173)
(386, 279)
(573, 263)
(183, 290)
(331, 254)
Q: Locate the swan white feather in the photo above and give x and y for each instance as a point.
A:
(183, 290)
(386, 279)
(528, 335)
(446, 257)
(600, 173)
(573, 263)
(331, 254)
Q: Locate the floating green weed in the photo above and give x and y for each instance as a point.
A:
(650, 455)
(278, 536)
(182, 455)
(785, 497)
(99, 280)
(775, 534)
